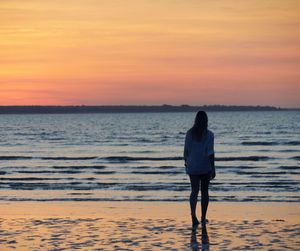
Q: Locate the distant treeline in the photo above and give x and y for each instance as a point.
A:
(129, 108)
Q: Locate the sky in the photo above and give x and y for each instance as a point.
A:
(150, 52)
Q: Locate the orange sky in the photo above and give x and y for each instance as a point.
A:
(65, 52)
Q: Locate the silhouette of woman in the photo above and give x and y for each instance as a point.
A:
(199, 161)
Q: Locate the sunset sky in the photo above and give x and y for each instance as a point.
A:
(94, 52)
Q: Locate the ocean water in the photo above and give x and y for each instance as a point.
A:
(138, 156)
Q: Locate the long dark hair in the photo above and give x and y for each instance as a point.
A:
(200, 125)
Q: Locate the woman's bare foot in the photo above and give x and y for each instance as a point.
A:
(204, 221)
(195, 221)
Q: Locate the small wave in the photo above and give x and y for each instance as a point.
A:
(143, 167)
(239, 167)
(43, 186)
(289, 167)
(227, 167)
(248, 167)
(2, 172)
(16, 167)
(296, 157)
(91, 178)
(156, 187)
(68, 158)
(264, 176)
(248, 158)
(293, 143)
(56, 185)
(128, 158)
(260, 173)
(257, 184)
(56, 139)
(78, 167)
(145, 151)
(269, 143)
(105, 172)
(156, 172)
(14, 157)
(168, 167)
(45, 171)
(289, 150)
(69, 171)
(80, 193)
(30, 178)
(143, 140)
(160, 167)
(259, 143)
(75, 185)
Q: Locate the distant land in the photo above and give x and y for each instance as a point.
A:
(130, 109)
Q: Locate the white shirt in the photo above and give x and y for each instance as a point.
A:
(196, 153)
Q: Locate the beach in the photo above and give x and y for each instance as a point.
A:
(83, 182)
(144, 225)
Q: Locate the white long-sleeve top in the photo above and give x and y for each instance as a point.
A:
(196, 153)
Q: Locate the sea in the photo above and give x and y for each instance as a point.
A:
(139, 156)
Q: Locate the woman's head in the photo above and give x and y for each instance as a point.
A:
(200, 124)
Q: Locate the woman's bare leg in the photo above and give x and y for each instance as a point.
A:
(195, 185)
(204, 196)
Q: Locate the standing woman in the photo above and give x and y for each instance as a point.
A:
(199, 161)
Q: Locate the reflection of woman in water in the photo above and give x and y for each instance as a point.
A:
(195, 245)
(199, 163)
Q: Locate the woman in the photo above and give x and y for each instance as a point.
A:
(199, 163)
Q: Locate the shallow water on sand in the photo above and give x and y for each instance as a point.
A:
(146, 234)
(138, 156)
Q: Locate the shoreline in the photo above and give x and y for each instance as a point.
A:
(154, 209)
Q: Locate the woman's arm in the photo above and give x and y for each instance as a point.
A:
(211, 155)
(212, 163)
(186, 150)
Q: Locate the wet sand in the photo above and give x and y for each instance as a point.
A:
(147, 226)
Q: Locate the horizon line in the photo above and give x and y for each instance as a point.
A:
(155, 105)
(77, 109)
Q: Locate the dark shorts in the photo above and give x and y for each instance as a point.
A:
(200, 176)
(195, 181)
